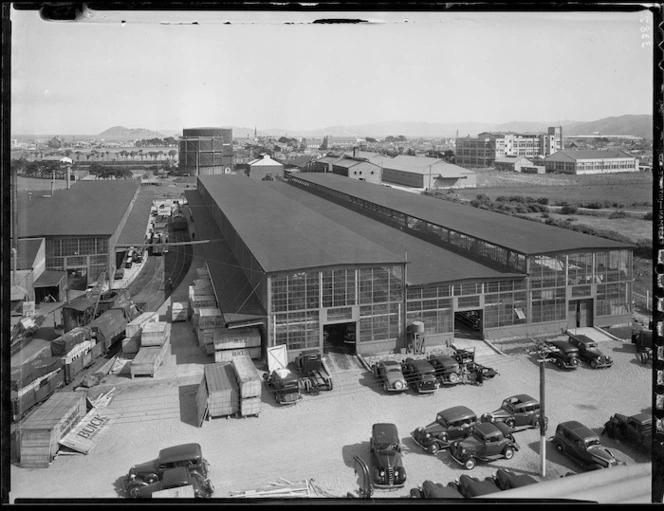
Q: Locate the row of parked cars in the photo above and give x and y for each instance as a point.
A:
(470, 487)
(569, 354)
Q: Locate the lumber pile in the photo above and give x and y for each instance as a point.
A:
(285, 489)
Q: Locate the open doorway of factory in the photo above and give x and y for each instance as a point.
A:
(468, 324)
(77, 278)
(339, 338)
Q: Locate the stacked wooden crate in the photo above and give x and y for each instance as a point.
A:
(210, 320)
(155, 341)
(219, 391)
(249, 382)
(132, 342)
(201, 294)
(237, 341)
(179, 311)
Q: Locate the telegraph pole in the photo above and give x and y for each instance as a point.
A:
(542, 421)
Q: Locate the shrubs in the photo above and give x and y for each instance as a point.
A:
(618, 214)
(648, 216)
(568, 209)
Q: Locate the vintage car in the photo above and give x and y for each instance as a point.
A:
(470, 319)
(172, 478)
(589, 351)
(506, 480)
(579, 443)
(635, 429)
(431, 490)
(516, 411)
(390, 374)
(385, 446)
(450, 424)
(487, 442)
(562, 353)
(185, 455)
(447, 369)
(420, 375)
(285, 386)
(472, 487)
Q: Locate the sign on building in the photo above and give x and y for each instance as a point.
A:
(28, 309)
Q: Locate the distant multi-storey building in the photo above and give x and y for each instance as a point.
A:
(483, 150)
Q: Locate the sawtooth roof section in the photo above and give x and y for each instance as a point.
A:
(524, 236)
(284, 235)
(427, 263)
(88, 208)
(133, 233)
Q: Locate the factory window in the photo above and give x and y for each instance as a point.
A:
(548, 305)
(613, 299)
(297, 330)
(296, 291)
(379, 322)
(338, 288)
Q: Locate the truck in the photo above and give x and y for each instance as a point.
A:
(314, 375)
(643, 341)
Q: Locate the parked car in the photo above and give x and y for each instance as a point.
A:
(516, 411)
(447, 369)
(385, 446)
(119, 274)
(506, 480)
(172, 478)
(487, 442)
(390, 374)
(431, 490)
(420, 374)
(582, 445)
(138, 256)
(185, 455)
(564, 355)
(643, 341)
(472, 487)
(589, 351)
(470, 319)
(450, 424)
(635, 429)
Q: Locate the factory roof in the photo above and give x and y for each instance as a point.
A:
(424, 165)
(427, 263)
(133, 232)
(263, 161)
(88, 208)
(518, 234)
(587, 154)
(27, 250)
(284, 235)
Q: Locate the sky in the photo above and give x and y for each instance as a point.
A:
(272, 70)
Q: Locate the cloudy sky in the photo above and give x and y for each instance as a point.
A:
(158, 71)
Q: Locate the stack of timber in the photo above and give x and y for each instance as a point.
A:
(132, 342)
(210, 320)
(179, 311)
(155, 341)
(40, 433)
(218, 392)
(285, 489)
(249, 382)
(230, 342)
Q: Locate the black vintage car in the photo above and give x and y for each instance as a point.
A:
(431, 490)
(579, 443)
(420, 375)
(172, 478)
(589, 351)
(506, 480)
(635, 429)
(285, 386)
(487, 442)
(188, 456)
(472, 487)
(516, 411)
(447, 369)
(562, 353)
(450, 424)
(390, 374)
(385, 445)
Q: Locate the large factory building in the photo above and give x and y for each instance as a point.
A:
(325, 259)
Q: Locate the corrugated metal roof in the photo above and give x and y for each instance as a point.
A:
(424, 165)
(220, 377)
(283, 235)
(133, 232)
(346, 163)
(427, 263)
(264, 161)
(27, 250)
(50, 278)
(89, 208)
(525, 236)
(587, 154)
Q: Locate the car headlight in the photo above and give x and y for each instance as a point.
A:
(428, 435)
(398, 385)
(381, 473)
(463, 450)
(396, 473)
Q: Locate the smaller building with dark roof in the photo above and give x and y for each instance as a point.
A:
(357, 169)
(426, 173)
(589, 161)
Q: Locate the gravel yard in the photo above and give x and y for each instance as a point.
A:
(318, 437)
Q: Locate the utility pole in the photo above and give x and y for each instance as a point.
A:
(541, 352)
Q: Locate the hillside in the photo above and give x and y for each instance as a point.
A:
(122, 133)
(635, 125)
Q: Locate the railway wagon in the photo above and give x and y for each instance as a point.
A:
(109, 327)
(34, 382)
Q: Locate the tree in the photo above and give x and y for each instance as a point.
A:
(170, 141)
(172, 153)
(401, 138)
(370, 140)
(389, 138)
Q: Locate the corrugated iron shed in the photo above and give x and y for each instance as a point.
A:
(525, 236)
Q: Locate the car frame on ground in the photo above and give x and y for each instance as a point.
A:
(506, 480)
(582, 445)
(487, 442)
(420, 375)
(520, 410)
(177, 477)
(431, 490)
(390, 375)
(589, 351)
(189, 456)
(450, 424)
(635, 429)
(385, 446)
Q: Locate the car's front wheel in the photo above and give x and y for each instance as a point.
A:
(593, 363)
(133, 488)
(433, 448)
(454, 378)
(415, 494)
(470, 463)
(508, 453)
(510, 422)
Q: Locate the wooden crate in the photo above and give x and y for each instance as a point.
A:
(194, 316)
(180, 492)
(247, 376)
(41, 431)
(179, 311)
(205, 335)
(223, 393)
(210, 317)
(202, 272)
(131, 345)
(134, 327)
(147, 360)
(227, 355)
(237, 338)
(155, 334)
(250, 406)
(206, 300)
(203, 282)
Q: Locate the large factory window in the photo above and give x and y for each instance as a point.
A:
(579, 268)
(548, 305)
(296, 291)
(379, 322)
(547, 271)
(338, 288)
(297, 330)
(613, 299)
(435, 313)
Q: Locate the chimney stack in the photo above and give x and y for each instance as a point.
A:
(67, 178)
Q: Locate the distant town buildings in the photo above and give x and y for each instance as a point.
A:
(591, 162)
(483, 150)
(265, 168)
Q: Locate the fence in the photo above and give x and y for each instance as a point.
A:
(642, 301)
